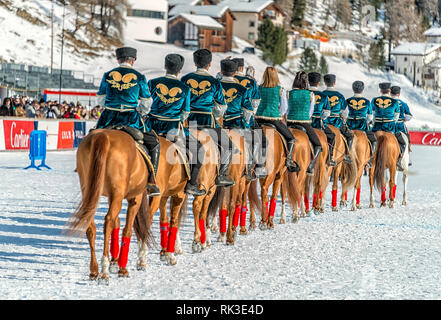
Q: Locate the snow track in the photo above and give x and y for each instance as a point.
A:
(369, 254)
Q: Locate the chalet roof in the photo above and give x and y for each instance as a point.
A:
(434, 31)
(415, 48)
(214, 11)
(247, 6)
(188, 2)
(200, 21)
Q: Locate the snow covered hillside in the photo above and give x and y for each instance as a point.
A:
(26, 42)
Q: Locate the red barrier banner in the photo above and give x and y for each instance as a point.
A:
(66, 135)
(17, 134)
(425, 138)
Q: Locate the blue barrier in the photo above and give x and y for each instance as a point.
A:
(37, 149)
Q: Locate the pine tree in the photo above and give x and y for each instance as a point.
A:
(298, 12)
(308, 61)
(324, 69)
(373, 61)
(272, 41)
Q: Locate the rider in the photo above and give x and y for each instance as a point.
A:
(405, 114)
(171, 106)
(338, 104)
(321, 112)
(208, 103)
(240, 109)
(386, 113)
(119, 92)
(273, 99)
(361, 115)
(301, 103)
(256, 138)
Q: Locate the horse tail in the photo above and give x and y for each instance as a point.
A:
(380, 162)
(183, 211)
(216, 202)
(253, 196)
(84, 214)
(141, 224)
(292, 189)
(349, 172)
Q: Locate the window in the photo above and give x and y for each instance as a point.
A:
(405, 59)
(146, 14)
(252, 24)
(251, 36)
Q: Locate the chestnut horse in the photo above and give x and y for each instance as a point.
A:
(171, 178)
(108, 164)
(275, 167)
(319, 182)
(386, 157)
(207, 177)
(362, 149)
(295, 184)
(346, 172)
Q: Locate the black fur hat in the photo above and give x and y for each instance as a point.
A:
(314, 78)
(202, 58)
(228, 66)
(384, 85)
(358, 86)
(330, 79)
(395, 90)
(240, 62)
(125, 52)
(174, 63)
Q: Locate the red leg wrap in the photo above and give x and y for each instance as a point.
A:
(124, 254)
(114, 243)
(272, 209)
(383, 195)
(314, 200)
(346, 195)
(163, 227)
(306, 202)
(334, 198)
(223, 220)
(358, 196)
(202, 229)
(394, 191)
(321, 195)
(243, 216)
(172, 239)
(236, 215)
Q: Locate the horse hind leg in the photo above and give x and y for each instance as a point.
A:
(91, 237)
(176, 204)
(405, 178)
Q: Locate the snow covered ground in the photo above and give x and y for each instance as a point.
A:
(370, 254)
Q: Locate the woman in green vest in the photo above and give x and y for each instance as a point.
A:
(301, 104)
(273, 98)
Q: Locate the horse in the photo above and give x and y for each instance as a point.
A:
(207, 176)
(347, 172)
(294, 184)
(386, 157)
(319, 182)
(362, 149)
(171, 179)
(109, 164)
(275, 167)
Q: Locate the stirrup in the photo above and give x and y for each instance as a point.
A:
(153, 190)
(223, 181)
(194, 190)
(347, 159)
(292, 167)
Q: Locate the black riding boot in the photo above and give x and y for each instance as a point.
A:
(222, 179)
(259, 168)
(317, 150)
(402, 145)
(331, 155)
(192, 184)
(347, 156)
(290, 164)
(374, 149)
(154, 157)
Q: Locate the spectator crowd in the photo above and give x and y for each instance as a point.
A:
(25, 107)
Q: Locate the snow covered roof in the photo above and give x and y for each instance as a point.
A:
(214, 11)
(434, 31)
(435, 64)
(200, 21)
(247, 5)
(189, 2)
(415, 48)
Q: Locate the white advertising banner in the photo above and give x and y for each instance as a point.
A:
(51, 127)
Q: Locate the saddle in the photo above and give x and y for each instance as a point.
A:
(284, 143)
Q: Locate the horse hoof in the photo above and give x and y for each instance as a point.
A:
(335, 209)
(214, 229)
(282, 221)
(222, 238)
(141, 267)
(93, 276)
(243, 231)
(179, 251)
(252, 227)
(171, 259)
(295, 219)
(230, 242)
(113, 267)
(316, 212)
(263, 225)
(383, 204)
(391, 205)
(204, 246)
(196, 247)
(162, 256)
(103, 279)
(343, 204)
(371, 206)
(123, 273)
(404, 203)
(358, 206)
